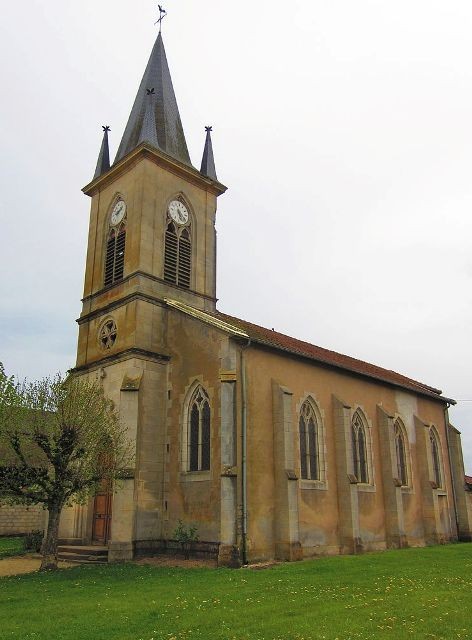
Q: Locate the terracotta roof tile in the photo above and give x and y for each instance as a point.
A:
(286, 343)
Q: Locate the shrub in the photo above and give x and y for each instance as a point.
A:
(185, 535)
(33, 541)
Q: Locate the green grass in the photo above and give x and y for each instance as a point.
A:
(11, 547)
(414, 593)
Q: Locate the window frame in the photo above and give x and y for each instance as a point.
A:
(119, 231)
(183, 269)
(187, 473)
(319, 482)
(366, 481)
(400, 432)
(436, 462)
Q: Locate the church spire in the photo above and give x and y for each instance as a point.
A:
(103, 163)
(165, 112)
(208, 161)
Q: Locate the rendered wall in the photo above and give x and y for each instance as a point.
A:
(325, 508)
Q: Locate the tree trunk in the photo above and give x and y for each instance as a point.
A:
(49, 548)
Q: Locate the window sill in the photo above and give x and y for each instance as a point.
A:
(366, 488)
(195, 476)
(313, 484)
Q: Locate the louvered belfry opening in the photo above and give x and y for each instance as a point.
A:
(178, 255)
(115, 255)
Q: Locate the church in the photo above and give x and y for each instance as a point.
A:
(271, 447)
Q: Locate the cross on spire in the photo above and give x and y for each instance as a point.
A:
(162, 15)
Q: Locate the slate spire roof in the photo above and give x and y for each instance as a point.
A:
(208, 161)
(103, 163)
(170, 133)
(148, 130)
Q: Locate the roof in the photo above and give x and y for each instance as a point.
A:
(168, 125)
(468, 480)
(256, 334)
(282, 342)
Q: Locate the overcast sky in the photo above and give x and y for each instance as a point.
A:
(342, 129)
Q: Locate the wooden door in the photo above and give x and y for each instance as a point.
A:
(101, 517)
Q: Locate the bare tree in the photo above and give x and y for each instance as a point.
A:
(60, 439)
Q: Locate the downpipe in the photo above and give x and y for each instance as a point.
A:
(244, 526)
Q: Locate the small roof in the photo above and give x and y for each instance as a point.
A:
(208, 161)
(468, 481)
(168, 125)
(103, 163)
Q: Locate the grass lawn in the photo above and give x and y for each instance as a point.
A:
(11, 547)
(414, 593)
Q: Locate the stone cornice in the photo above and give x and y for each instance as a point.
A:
(188, 173)
(132, 297)
(149, 276)
(127, 354)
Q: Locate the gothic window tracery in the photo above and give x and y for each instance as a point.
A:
(107, 334)
(436, 457)
(401, 453)
(359, 449)
(198, 438)
(309, 443)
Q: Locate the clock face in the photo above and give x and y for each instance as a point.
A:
(118, 212)
(178, 212)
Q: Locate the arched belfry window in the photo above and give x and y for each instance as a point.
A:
(436, 457)
(198, 436)
(310, 460)
(178, 245)
(116, 246)
(401, 450)
(359, 449)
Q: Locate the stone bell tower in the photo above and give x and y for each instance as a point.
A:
(152, 226)
(151, 239)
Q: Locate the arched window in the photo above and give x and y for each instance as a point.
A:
(115, 254)
(178, 254)
(401, 453)
(359, 449)
(310, 467)
(198, 437)
(436, 457)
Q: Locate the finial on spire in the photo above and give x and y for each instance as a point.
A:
(106, 128)
(162, 15)
(208, 129)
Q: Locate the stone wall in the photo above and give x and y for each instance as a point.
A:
(18, 520)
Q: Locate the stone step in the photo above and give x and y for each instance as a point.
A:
(83, 555)
(83, 550)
